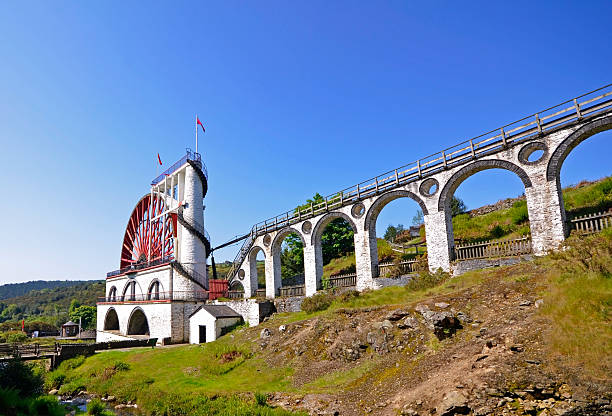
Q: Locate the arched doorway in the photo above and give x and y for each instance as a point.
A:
(138, 324)
(111, 321)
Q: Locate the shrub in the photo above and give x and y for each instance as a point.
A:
(26, 379)
(121, 366)
(46, 406)
(318, 302)
(426, 280)
(261, 399)
(55, 379)
(97, 408)
(12, 404)
(348, 295)
(519, 213)
(16, 337)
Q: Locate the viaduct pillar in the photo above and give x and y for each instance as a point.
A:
(440, 243)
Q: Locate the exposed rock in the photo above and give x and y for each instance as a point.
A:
(53, 391)
(539, 303)
(265, 333)
(397, 314)
(525, 303)
(282, 328)
(409, 322)
(454, 403)
(442, 305)
(444, 324)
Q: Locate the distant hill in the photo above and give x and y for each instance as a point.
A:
(12, 290)
(50, 304)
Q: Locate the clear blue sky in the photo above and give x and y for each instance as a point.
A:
(297, 98)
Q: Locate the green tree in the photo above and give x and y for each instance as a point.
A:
(457, 206)
(87, 315)
(392, 232)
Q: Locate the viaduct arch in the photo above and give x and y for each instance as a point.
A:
(431, 182)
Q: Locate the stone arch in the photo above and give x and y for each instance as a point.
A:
(317, 234)
(236, 286)
(383, 200)
(129, 291)
(462, 174)
(326, 219)
(559, 155)
(112, 294)
(138, 323)
(252, 265)
(275, 253)
(280, 236)
(111, 320)
(155, 288)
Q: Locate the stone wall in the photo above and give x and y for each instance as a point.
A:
(460, 267)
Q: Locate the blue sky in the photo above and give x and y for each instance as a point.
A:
(297, 98)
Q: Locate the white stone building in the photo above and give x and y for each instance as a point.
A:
(209, 322)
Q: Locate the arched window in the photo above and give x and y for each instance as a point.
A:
(154, 291)
(129, 293)
(112, 294)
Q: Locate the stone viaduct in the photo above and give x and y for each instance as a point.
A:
(534, 148)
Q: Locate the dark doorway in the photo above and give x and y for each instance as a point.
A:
(138, 324)
(202, 334)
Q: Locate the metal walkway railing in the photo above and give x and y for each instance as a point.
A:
(520, 131)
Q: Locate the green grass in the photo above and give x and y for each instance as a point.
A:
(579, 303)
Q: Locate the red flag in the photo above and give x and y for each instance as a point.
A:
(200, 123)
(159, 159)
(23, 325)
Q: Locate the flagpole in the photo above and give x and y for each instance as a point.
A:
(196, 125)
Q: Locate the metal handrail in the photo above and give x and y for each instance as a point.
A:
(189, 155)
(195, 295)
(140, 266)
(502, 137)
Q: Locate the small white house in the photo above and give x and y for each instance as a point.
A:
(207, 323)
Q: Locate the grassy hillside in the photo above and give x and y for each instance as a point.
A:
(584, 198)
(328, 360)
(50, 305)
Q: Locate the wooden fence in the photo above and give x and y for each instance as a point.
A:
(28, 350)
(406, 266)
(503, 248)
(592, 223)
(297, 290)
(343, 280)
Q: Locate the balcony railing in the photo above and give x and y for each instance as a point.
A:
(197, 296)
(521, 131)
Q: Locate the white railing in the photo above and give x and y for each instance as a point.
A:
(520, 131)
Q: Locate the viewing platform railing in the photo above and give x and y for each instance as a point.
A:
(189, 155)
(531, 127)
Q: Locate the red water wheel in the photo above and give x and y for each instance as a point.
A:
(144, 238)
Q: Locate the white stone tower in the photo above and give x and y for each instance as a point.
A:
(192, 250)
